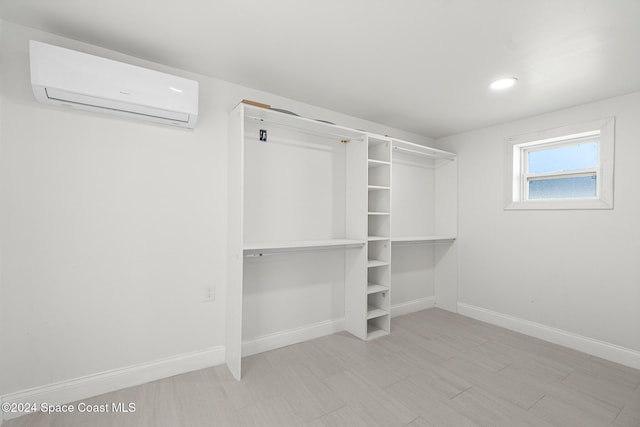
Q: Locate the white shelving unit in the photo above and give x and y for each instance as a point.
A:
(378, 293)
(298, 188)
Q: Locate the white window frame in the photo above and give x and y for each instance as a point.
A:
(516, 178)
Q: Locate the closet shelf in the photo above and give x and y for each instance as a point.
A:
(372, 288)
(421, 150)
(303, 124)
(378, 187)
(377, 238)
(373, 312)
(376, 263)
(302, 244)
(379, 213)
(435, 239)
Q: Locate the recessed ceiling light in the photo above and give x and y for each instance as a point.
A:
(503, 83)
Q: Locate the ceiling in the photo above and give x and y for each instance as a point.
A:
(419, 65)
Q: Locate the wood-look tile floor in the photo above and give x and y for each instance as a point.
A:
(435, 369)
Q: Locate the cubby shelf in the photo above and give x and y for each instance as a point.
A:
(376, 263)
(373, 312)
(372, 288)
(379, 213)
(377, 238)
(378, 187)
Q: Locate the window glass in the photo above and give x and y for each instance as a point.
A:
(563, 188)
(564, 158)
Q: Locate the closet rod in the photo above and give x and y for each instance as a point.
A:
(432, 156)
(311, 132)
(287, 251)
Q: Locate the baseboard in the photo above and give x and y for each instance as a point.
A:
(317, 330)
(291, 336)
(615, 353)
(412, 306)
(116, 379)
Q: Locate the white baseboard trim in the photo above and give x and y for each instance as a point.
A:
(104, 382)
(412, 306)
(615, 353)
(291, 336)
(320, 329)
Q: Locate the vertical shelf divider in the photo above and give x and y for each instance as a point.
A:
(356, 228)
(235, 252)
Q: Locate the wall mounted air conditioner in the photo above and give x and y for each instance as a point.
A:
(65, 77)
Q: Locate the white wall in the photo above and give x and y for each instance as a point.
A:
(110, 229)
(577, 271)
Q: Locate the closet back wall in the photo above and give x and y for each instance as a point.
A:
(294, 189)
(413, 214)
(111, 229)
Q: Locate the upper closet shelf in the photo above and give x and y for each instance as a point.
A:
(423, 239)
(421, 150)
(345, 134)
(303, 124)
(261, 249)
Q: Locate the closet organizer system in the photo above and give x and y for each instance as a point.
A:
(298, 185)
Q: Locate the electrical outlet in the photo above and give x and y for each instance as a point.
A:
(209, 293)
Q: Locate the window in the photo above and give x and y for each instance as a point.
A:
(565, 168)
